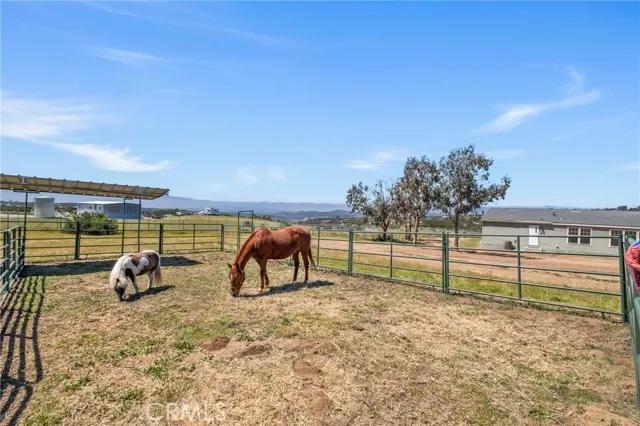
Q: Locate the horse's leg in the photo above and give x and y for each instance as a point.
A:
(263, 273)
(266, 276)
(135, 285)
(150, 275)
(305, 260)
(296, 265)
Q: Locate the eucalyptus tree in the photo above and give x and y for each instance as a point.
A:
(464, 184)
(417, 191)
(376, 203)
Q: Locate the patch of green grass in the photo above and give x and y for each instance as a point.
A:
(158, 369)
(130, 395)
(541, 412)
(141, 346)
(77, 384)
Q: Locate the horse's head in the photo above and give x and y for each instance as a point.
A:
(118, 279)
(236, 276)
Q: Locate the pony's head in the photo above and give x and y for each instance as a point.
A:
(118, 279)
(236, 276)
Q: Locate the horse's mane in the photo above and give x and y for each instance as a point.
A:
(117, 270)
(245, 244)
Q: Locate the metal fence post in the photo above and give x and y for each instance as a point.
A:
(623, 286)
(5, 260)
(519, 267)
(161, 238)
(444, 261)
(391, 258)
(318, 249)
(222, 237)
(76, 254)
(238, 238)
(350, 253)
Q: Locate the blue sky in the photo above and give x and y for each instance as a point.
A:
(296, 101)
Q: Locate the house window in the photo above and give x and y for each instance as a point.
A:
(613, 242)
(579, 235)
(630, 234)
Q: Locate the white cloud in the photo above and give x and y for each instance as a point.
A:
(250, 175)
(126, 57)
(25, 118)
(513, 117)
(377, 160)
(110, 158)
(43, 121)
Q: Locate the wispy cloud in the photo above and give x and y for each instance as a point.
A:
(43, 121)
(25, 118)
(126, 57)
(199, 21)
(506, 154)
(110, 158)
(250, 175)
(377, 160)
(575, 95)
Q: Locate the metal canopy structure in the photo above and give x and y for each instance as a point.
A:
(77, 187)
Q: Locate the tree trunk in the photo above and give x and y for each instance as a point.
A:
(455, 225)
(417, 229)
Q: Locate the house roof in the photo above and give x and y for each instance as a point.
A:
(63, 186)
(609, 218)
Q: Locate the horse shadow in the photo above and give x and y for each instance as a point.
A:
(21, 365)
(289, 287)
(92, 266)
(148, 292)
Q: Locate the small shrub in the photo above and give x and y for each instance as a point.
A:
(508, 245)
(92, 224)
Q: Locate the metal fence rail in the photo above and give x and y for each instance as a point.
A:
(589, 282)
(13, 255)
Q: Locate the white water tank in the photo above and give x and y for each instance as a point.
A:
(44, 207)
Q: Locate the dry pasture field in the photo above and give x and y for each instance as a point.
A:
(338, 350)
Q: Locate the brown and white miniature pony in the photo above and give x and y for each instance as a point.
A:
(265, 244)
(129, 266)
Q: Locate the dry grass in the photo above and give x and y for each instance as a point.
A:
(341, 350)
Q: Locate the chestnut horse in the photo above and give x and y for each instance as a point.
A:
(265, 244)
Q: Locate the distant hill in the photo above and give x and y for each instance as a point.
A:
(312, 214)
(184, 203)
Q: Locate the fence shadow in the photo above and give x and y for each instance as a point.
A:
(88, 267)
(289, 287)
(19, 347)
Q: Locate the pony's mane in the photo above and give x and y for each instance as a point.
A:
(117, 270)
(245, 244)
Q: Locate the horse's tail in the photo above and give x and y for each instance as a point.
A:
(311, 258)
(157, 273)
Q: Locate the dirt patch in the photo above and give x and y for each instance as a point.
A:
(254, 349)
(320, 403)
(215, 344)
(594, 415)
(305, 369)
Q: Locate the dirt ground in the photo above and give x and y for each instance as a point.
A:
(338, 350)
(531, 260)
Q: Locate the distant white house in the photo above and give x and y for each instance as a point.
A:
(111, 209)
(208, 211)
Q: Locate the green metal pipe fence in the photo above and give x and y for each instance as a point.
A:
(632, 303)
(13, 256)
